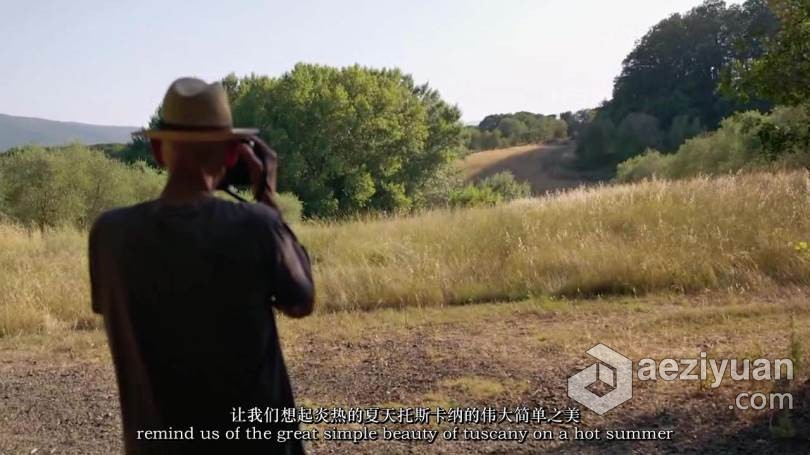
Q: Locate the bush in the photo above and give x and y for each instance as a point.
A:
(643, 166)
(437, 190)
(291, 207)
(73, 185)
(501, 187)
(474, 196)
(744, 141)
(70, 185)
(505, 185)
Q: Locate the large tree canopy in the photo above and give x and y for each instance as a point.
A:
(348, 139)
(782, 74)
(676, 67)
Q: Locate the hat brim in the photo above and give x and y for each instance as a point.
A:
(198, 136)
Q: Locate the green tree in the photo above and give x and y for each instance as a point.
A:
(636, 132)
(37, 187)
(675, 69)
(491, 140)
(782, 74)
(577, 122)
(138, 149)
(513, 129)
(502, 130)
(683, 127)
(70, 185)
(350, 139)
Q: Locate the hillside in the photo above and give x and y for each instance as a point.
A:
(15, 131)
(546, 167)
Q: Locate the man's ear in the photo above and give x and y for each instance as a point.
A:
(157, 151)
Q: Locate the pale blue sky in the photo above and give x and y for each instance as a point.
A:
(110, 61)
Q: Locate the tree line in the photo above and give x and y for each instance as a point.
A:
(350, 140)
(73, 184)
(507, 130)
(779, 138)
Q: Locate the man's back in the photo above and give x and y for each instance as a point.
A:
(186, 292)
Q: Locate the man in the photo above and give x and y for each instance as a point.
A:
(186, 283)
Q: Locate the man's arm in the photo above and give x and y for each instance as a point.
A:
(92, 259)
(294, 288)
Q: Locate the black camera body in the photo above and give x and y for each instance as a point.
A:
(238, 175)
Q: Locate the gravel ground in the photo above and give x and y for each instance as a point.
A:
(64, 399)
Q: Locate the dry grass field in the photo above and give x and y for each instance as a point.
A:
(490, 306)
(733, 232)
(547, 168)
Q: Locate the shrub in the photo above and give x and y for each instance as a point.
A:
(500, 187)
(438, 189)
(70, 185)
(291, 207)
(744, 141)
(644, 166)
(474, 196)
(505, 185)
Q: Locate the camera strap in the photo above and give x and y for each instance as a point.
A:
(231, 192)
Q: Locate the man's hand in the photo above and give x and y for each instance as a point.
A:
(262, 163)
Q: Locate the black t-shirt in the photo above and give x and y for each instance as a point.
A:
(186, 294)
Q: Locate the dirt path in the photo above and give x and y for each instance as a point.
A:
(59, 395)
(545, 167)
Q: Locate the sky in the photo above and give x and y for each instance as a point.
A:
(110, 62)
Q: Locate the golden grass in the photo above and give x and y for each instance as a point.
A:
(544, 167)
(477, 162)
(726, 233)
(729, 233)
(43, 281)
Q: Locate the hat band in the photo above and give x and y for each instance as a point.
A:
(177, 127)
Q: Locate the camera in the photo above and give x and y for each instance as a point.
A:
(238, 175)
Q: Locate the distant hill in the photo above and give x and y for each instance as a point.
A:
(15, 131)
(546, 167)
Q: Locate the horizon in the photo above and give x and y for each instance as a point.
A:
(461, 50)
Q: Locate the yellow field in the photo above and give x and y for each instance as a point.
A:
(732, 233)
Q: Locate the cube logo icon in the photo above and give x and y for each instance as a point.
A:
(613, 369)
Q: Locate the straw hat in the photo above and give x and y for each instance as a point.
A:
(196, 111)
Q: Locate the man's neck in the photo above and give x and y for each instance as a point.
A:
(188, 188)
